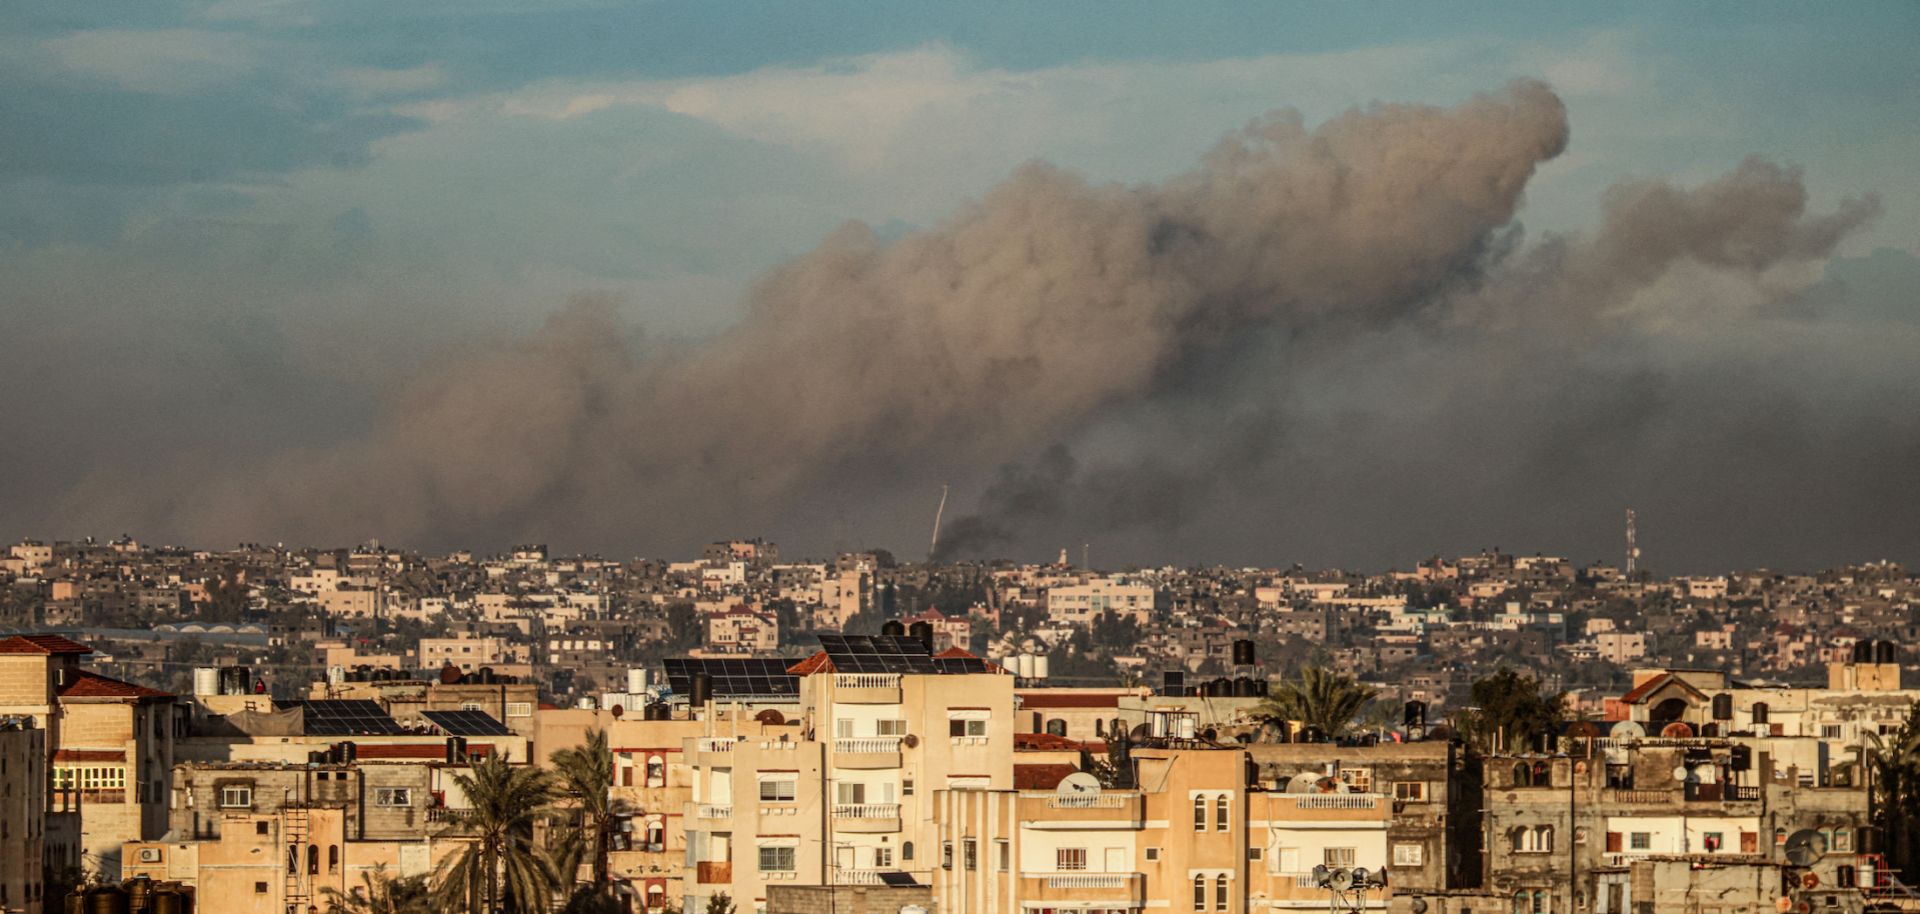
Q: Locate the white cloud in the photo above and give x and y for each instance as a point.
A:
(374, 81)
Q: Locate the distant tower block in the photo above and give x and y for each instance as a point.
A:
(1633, 547)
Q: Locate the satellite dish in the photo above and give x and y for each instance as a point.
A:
(1680, 773)
(1340, 880)
(910, 741)
(770, 717)
(1677, 730)
(1304, 782)
(1627, 730)
(1804, 847)
(1810, 880)
(1418, 906)
(1079, 782)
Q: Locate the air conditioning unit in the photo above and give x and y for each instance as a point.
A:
(149, 855)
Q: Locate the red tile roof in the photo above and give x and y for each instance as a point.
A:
(1040, 777)
(1654, 684)
(1039, 698)
(818, 663)
(90, 755)
(1050, 742)
(415, 751)
(957, 653)
(42, 644)
(84, 684)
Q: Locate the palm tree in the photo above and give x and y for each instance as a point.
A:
(586, 778)
(1895, 764)
(1319, 699)
(504, 803)
(379, 893)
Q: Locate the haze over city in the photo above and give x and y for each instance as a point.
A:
(1187, 287)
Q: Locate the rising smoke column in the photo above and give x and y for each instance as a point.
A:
(998, 331)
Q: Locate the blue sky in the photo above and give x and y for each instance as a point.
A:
(256, 214)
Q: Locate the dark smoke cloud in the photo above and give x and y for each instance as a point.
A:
(1330, 345)
(1023, 316)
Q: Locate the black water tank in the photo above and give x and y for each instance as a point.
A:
(1723, 706)
(1741, 758)
(106, 899)
(656, 710)
(1243, 687)
(1243, 653)
(1863, 652)
(485, 675)
(1414, 714)
(349, 752)
(701, 690)
(453, 751)
(1886, 652)
(170, 901)
(893, 628)
(923, 633)
(1222, 687)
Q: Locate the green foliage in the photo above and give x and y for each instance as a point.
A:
(1895, 762)
(502, 868)
(720, 903)
(379, 893)
(685, 631)
(1509, 712)
(586, 834)
(1115, 632)
(1319, 699)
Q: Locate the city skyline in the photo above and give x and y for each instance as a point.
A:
(582, 274)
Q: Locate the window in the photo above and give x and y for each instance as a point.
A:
(1002, 855)
(1640, 841)
(1360, 778)
(850, 794)
(1410, 791)
(966, 728)
(1070, 858)
(889, 728)
(1220, 892)
(1199, 813)
(882, 857)
(1409, 854)
(843, 728)
(333, 858)
(236, 797)
(259, 888)
(906, 787)
(1829, 731)
(393, 796)
(472, 706)
(259, 828)
(1339, 856)
(519, 709)
(1153, 855)
(1220, 813)
(946, 855)
(970, 853)
(1199, 893)
(1843, 839)
(776, 859)
(1712, 840)
(777, 790)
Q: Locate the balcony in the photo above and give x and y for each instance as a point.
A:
(1322, 807)
(857, 877)
(1076, 811)
(867, 752)
(1630, 796)
(714, 872)
(1114, 889)
(866, 688)
(866, 818)
(712, 811)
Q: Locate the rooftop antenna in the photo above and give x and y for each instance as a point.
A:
(935, 545)
(1633, 549)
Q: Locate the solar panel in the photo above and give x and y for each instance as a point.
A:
(466, 723)
(877, 654)
(356, 717)
(734, 677)
(898, 880)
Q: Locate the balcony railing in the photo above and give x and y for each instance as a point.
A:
(713, 810)
(1639, 797)
(866, 810)
(1086, 880)
(844, 876)
(713, 744)
(866, 680)
(1335, 801)
(867, 744)
(1091, 801)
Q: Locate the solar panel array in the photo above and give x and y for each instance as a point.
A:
(348, 718)
(956, 665)
(734, 677)
(898, 880)
(877, 654)
(466, 723)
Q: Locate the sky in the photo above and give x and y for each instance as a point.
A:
(629, 277)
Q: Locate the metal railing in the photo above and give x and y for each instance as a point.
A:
(1091, 801)
(713, 810)
(1332, 801)
(713, 744)
(1085, 880)
(866, 680)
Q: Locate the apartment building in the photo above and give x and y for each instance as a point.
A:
(110, 745)
(1083, 602)
(842, 790)
(1189, 828)
(741, 630)
(23, 815)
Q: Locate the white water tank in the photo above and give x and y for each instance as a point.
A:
(1039, 667)
(206, 680)
(636, 681)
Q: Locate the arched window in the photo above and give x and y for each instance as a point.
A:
(1543, 839)
(313, 859)
(1057, 727)
(1220, 813)
(1199, 893)
(333, 858)
(1523, 775)
(1099, 727)
(1522, 902)
(906, 850)
(656, 771)
(1220, 892)
(1542, 774)
(1541, 902)
(1199, 813)
(1517, 840)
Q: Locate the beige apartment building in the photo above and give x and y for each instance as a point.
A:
(110, 745)
(843, 790)
(23, 815)
(1193, 833)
